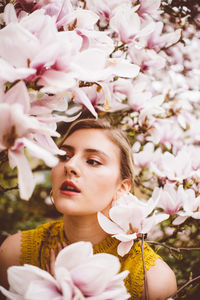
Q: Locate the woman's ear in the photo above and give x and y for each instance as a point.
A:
(124, 187)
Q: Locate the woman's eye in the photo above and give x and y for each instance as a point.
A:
(93, 162)
(64, 157)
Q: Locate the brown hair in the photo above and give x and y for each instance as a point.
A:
(116, 135)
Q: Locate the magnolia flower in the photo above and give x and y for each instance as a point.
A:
(173, 167)
(149, 7)
(126, 22)
(143, 158)
(166, 132)
(19, 130)
(104, 8)
(157, 40)
(129, 219)
(191, 207)
(78, 275)
(171, 198)
(54, 59)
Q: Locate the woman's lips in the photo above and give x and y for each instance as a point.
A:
(69, 188)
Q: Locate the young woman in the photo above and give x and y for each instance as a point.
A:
(97, 169)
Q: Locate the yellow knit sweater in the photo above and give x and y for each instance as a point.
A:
(36, 245)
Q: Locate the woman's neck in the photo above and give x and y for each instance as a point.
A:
(83, 228)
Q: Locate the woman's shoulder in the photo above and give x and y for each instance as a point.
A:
(10, 248)
(9, 255)
(161, 281)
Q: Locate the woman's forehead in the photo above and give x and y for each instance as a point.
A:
(92, 138)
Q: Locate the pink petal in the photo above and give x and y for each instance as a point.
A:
(18, 94)
(124, 247)
(40, 289)
(107, 225)
(64, 279)
(19, 278)
(89, 65)
(39, 152)
(55, 81)
(124, 215)
(48, 104)
(10, 295)
(77, 252)
(46, 142)
(82, 98)
(25, 176)
(122, 68)
(10, 14)
(17, 45)
(9, 73)
(125, 237)
(179, 220)
(98, 269)
(46, 57)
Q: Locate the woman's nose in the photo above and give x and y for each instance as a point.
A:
(71, 167)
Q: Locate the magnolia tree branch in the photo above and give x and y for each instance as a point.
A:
(179, 249)
(185, 285)
(144, 270)
(2, 189)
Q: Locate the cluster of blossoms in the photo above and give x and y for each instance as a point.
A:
(117, 56)
(130, 218)
(75, 268)
(94, 54)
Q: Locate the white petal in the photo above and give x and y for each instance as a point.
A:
(10, 14)
(98, 269)
(9, 73)
(125, 237)
(19, 277)
(179, 220)
(40, 289)
(55, 81)
(10, 295)
(39, 152)
(123, 68)
(107, 225)
(25, 176)
(19, 94)
(77, 252)
(83, 99)
(124, 247)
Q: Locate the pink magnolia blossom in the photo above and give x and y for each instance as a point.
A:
(171, 198)
(126, 22)
(173, 167)
(56, 60)
(149, 7)
(19, 130)
(59, 9)
(143, 158)
(129, 219)
(191, 207)
(78, 275)
(156, 40)
(166, 132)
(105, 8)
(147, 59)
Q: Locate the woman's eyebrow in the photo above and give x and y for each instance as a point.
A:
(87, 150)
(96, 151)
(67, 147)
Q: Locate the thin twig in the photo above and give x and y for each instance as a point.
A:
(8, 189)
(144, 270)
(172, 248)
(185, 285)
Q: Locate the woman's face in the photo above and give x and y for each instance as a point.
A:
(87, 178)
